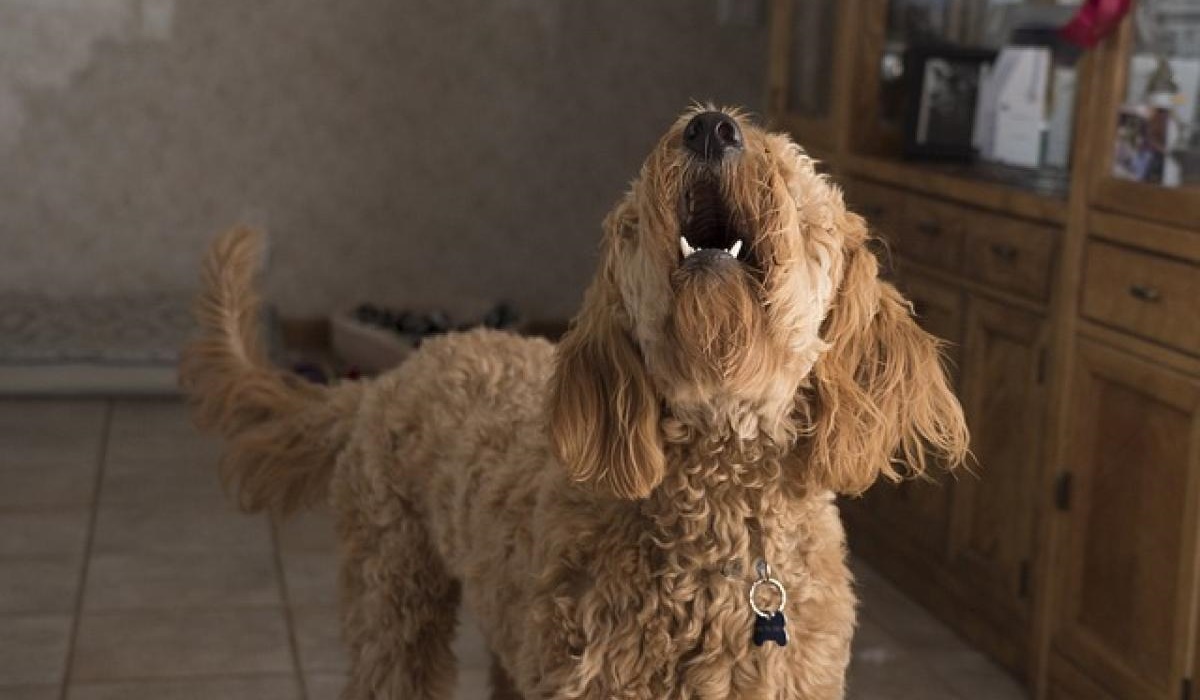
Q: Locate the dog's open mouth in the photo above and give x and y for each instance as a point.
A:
(708, 227)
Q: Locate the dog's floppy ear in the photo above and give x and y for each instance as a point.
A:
(880, 394)
(603, 409)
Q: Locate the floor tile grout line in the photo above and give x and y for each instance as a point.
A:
(176, 677)
(44, 508)
(101, 456)
(160, 610)
(168, 678)
(289, 619)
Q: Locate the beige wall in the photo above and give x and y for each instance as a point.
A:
(441, 150)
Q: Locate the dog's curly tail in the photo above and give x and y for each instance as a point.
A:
(284, 433)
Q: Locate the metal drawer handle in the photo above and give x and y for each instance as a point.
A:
(1005, 252)
(1144, 292)
(930, 228)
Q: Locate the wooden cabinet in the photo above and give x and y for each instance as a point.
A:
(967, 546)
(1127, 575)
(1070, 303)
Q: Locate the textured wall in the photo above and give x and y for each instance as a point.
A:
(428, 150)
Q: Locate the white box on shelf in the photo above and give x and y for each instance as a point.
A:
(1021, 76)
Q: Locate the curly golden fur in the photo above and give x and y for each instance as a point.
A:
(599, 506)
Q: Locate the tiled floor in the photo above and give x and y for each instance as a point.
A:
(125, 575)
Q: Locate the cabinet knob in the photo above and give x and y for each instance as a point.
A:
(1005, 252)
(1144, 292)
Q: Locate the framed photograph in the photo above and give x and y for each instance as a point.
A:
(943, 89)
(1140, 150)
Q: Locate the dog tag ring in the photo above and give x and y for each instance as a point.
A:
(769, 625)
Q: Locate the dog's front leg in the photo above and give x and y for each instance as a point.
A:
(400, 609)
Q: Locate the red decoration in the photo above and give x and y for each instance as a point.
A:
(1094, 21)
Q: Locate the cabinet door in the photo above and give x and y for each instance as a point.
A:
(939, 310)
(1127, 573)
(804, 37)
(1160, 182)
(994, 509)
(917, 511)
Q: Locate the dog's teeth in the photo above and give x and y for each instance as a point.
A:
(735, 248)
(684, 247)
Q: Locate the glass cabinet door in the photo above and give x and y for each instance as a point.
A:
(956, 33)
(1151, 115)
(804, 44)
(1157, 140)
(910, 23)
(813, 31)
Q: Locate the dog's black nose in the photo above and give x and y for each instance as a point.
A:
(710, 134)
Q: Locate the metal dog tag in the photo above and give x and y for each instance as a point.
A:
(769, 625)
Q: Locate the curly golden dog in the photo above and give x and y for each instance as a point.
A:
(645, 511)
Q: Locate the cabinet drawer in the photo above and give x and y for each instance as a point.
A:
(1148, 295)
(1010, 254)
(882, 207)
(938, 307)
(933, 233)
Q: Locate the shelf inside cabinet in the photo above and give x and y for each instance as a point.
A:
(1009, 190)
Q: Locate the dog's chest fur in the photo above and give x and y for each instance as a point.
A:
(651, 599)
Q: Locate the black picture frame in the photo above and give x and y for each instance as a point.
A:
(943, 84)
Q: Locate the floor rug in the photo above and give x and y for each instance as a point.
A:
(95, 345)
